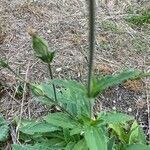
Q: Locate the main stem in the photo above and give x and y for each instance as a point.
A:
(51, 76)
(91, 42)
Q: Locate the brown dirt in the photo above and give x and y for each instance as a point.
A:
(65, 26)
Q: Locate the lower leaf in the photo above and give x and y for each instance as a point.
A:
(4, 129)
(95, 138)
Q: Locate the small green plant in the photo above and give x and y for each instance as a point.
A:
(4, 129)
(140, 19)
(75, 126)
(109, 26)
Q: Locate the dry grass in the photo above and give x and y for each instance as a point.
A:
(64, 24)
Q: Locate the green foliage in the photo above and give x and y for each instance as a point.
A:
(37, 127)
(139, 20)
(61, 120)
(119, 130)
(137, 147)
(114, 117)
(136, 134)
(3, 64)
(110, 143)
(4, 129)
(71, 95)
(104, 82)
(95, 138)
(128, 136)
(80, 145)
(75, 126)
(37, 146)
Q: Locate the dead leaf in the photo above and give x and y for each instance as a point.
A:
(134, 85)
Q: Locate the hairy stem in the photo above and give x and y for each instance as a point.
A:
(51, 76)
(91, 42)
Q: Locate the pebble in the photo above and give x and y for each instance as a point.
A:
(58, 69)
(48, 31)
(129, 109)
(114, 108)
(114, 102)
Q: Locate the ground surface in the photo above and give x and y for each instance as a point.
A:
(64, 24)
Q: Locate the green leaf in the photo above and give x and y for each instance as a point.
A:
(37, 146)
(37, 89)
(71, 84)
(45, 93)
(114, 117)
(140, 19)
(119, 129)
(76, 92)
(4, 129)
(23, 147)
(71, 95)
(3, 64)
(67, 136)
(95, 138)
(38, 127)
(80, 145)
(136, 134)
(137, 147)
(70, 146)
(43, 100)
(63, 95)
(45, 144)
(110, 143)
(76, 130)
(61, 120)
(105, 82)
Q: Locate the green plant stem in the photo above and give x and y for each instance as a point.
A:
(91, 42)
(55, 95)
(51, 76)
(54, 102)
(63, 109)
(17, 75)
(91, 51)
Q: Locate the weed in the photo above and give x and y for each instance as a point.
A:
(109, 26)
(139, 20)
(75, 126)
